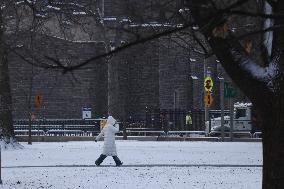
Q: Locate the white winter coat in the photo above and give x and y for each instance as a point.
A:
(108, 132)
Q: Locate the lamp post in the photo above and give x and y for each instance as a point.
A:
(230, 93)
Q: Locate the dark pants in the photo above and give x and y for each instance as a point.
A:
(188, 127)
(102, 157)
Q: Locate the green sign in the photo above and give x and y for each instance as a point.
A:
(229, 91)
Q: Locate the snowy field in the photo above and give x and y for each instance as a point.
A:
(149, 165)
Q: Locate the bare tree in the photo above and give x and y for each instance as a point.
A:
(255, 67)
(24, 23)
(6, 122)
(260, 76)
(262, 79)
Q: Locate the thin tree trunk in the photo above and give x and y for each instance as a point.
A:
(6, 121)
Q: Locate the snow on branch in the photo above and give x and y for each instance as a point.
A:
(268, 36)
(54, 8)
(79, 13)
(264, 74)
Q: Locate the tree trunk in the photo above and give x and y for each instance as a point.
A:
(273, 118)
(269, 105)
(269, 102)
(6, 121)
(273, 146)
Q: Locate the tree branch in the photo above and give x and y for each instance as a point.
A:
(272, 28)
(199, 43)
(24, 58)
(232, 56)
(244, 13)
(271, 3)
(118, 49)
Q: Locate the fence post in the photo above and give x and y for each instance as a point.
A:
(209, 129)
(231, 119)
(124, 131)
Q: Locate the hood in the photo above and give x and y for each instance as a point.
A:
(111, 120)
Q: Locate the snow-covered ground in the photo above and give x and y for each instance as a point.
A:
(148, 165)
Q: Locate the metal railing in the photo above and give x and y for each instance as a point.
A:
(236, 134)
(26, 132)
(187, 133)
(57, 127)
(257, 135)
(65, 133)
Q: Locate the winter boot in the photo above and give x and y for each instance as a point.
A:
(117, 161)
(100, 159)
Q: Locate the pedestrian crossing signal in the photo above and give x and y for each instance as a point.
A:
(208, 84)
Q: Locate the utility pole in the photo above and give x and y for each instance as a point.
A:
(205, 107)
(208, 85)
(206, 114)
(222, 107)
(230, 93)
(231, 118)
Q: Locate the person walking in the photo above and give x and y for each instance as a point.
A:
(109, 148)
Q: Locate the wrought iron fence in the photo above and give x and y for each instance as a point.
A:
(58, 127)
(174, 120)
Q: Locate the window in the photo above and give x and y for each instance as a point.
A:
(240, 113)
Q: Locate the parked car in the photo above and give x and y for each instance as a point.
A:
(216, 132)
